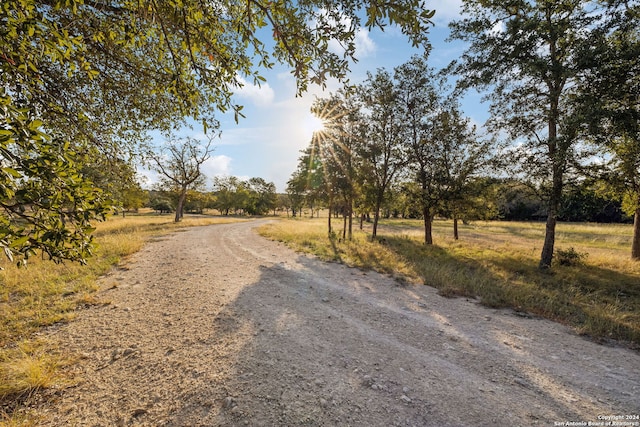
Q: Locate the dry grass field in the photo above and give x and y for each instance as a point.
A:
(593, 286)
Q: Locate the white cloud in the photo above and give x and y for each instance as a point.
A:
(364, 44)
(446, 10)
(498, 28)
(217, 166)
(260, 96)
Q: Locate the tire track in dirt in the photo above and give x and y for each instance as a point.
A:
(215, 326)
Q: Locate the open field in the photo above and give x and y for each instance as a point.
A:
(497, 262)
(45, 293)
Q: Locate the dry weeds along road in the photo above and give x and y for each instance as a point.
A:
(216, 326)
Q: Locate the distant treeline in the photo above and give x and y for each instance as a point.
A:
(497, 199)
(507, 199)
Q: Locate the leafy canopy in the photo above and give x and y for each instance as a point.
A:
(82, 78)
(45, 205)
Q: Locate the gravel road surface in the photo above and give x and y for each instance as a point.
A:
(216, 326)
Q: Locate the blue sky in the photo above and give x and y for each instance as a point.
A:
(277, 126)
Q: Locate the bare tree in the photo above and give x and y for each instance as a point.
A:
(179, 162)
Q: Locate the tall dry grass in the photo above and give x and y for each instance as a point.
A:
(497, 262)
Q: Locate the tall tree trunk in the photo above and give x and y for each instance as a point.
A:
(350, 232)
(180, 207)
(549, 240)
(344, 226)
(376, 213)
(329, 219)
(557, 149)
(557, 158)
(428, 237)
(635, 243)
(376, 216)
(361, 221)
(455, 228)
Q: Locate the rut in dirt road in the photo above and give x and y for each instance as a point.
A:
(216, 326)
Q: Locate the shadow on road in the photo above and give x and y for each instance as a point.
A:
(322, 344)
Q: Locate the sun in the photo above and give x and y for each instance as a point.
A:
(313, 124)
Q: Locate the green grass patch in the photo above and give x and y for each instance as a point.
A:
(597, 293)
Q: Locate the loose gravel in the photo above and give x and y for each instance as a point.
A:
(216, 326)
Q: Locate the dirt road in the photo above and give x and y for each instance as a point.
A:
(216, 326)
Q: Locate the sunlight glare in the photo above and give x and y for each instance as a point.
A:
(313, 124)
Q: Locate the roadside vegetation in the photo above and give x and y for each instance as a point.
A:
(594, 286)
(45, 294)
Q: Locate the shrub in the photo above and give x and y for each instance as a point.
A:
(570, 257)
(162, 205)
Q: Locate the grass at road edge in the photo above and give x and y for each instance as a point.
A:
(599, 296)
(44, 294)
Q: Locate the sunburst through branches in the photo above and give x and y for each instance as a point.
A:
(335, 122)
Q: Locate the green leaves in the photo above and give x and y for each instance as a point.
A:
(554, 72)
(46, 206)
(185, 55)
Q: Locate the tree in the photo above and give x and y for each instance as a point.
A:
(336, 146)
(166, 60)
(161, 204)
(254, 197)
(133, 197)
(296, 187)
(117, 178)
(608, 103)
(225, 188)
(196, 201)
(95, 74)
(179, 162)
(478, 201)
(46, 204)
(262, 196)
(381, 149)
(308, 185)
(586, 201)
(462, 154)
(524, 52)
(627, 162)
(284, 203)
(518, 201)
(241, 198)
(444, 152)
(418, 102)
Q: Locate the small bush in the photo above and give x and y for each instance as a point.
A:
(570, 257)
